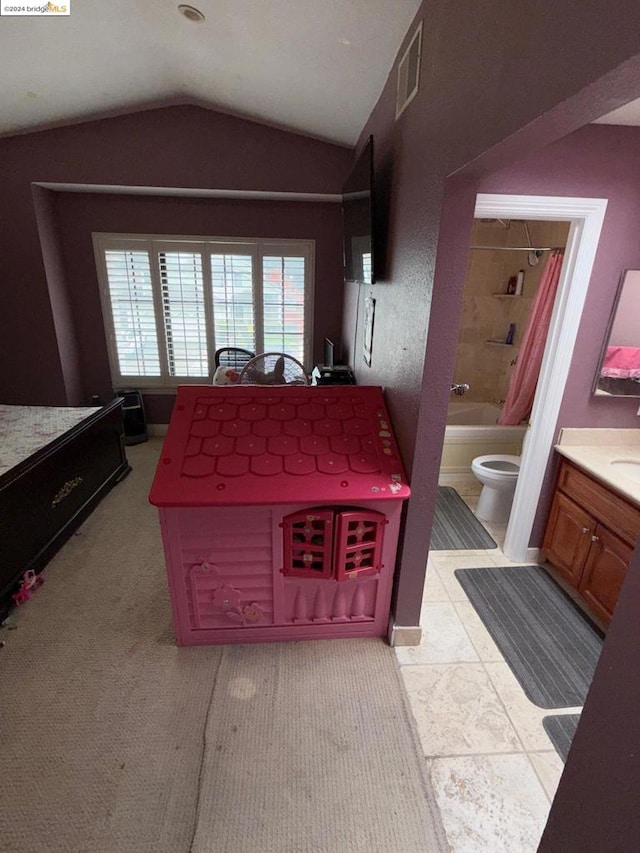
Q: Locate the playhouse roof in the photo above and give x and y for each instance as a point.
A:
(251, 445)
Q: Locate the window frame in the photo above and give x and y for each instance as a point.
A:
(154, 244)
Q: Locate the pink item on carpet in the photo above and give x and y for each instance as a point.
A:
(280, 509)
(621, 363)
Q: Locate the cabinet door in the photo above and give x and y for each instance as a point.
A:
(568, 537)
(604, 572)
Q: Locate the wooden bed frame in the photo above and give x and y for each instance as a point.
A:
(48, 495)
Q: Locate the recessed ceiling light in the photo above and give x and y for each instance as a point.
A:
(191, 13)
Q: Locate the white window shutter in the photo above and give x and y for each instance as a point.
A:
(283, 300)
(183, 313)
(132, 312)
(233, 304)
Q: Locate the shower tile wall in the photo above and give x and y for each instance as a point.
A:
(486, 367)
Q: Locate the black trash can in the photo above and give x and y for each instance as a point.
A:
(133, 416)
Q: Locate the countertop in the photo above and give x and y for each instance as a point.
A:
(594, 450)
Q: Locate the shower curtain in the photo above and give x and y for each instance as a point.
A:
(524, 379)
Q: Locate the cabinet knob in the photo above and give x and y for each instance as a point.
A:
(585, 529)
(595, 538)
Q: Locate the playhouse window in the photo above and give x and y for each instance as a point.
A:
(308, 541)
(332, 543)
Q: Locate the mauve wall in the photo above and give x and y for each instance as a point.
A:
(598, 161)
(78, 215)
(184, 147)
(491, 72)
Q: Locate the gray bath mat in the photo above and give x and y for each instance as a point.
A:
(561, 729)
(455, 527)
(549, 644)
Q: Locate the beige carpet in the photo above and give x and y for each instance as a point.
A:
(113, 739)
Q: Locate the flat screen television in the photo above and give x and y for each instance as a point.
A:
(357, 219)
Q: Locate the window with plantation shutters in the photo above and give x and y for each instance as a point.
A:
(170, 302)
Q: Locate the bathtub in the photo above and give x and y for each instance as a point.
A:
(472, 430)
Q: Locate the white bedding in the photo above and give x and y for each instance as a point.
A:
(26, 429)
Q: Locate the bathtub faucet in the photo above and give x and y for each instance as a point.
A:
(459, 389)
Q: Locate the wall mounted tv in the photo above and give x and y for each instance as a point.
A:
(357, 219)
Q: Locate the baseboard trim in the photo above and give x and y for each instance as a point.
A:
(404, 635)
(456, 475)
(533, 555)
(157, 429)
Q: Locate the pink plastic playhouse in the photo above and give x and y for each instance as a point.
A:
(279, 509)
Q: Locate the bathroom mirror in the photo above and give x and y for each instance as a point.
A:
(618, 373)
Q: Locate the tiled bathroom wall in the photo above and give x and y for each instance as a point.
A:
(484, 361)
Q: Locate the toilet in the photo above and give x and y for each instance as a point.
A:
(498, 474)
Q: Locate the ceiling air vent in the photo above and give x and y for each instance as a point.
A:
(409, 72)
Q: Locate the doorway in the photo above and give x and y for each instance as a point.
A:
(586, 216)
(507, 264)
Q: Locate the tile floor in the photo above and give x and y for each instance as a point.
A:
(494, 769)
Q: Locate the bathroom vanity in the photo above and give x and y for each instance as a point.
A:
(594, 521)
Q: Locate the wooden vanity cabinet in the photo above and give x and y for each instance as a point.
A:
(590, 537)
(566, 542)
(604, 572)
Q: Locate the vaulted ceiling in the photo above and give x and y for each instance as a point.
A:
(313, 66)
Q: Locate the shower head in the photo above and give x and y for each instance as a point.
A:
(534, 255)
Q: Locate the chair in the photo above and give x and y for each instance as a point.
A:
(234, 357)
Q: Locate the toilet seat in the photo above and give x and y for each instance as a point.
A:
(497, 466)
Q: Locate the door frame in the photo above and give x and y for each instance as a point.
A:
(586, 216)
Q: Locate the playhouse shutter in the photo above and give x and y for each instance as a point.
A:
(308, 540)
(358, 543)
